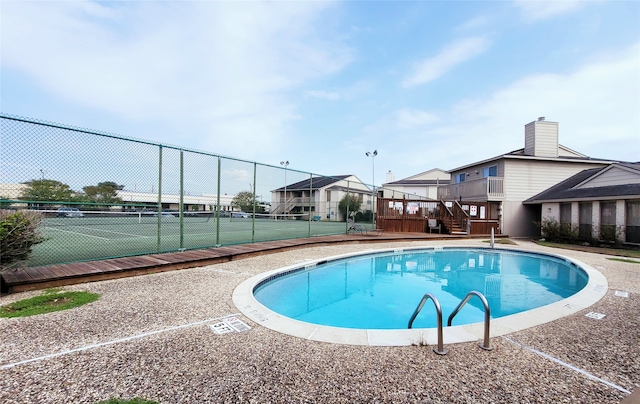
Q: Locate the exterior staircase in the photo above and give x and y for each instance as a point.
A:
(456, 230)
(454, 219)
(285, 207)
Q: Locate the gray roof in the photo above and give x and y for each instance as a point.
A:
(566, 191)
(419, 182)
(519, 154)
(315, 183)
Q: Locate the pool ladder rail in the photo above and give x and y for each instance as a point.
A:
(440, 350)
(487, 318)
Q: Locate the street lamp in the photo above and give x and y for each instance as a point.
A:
(285, 164)
(373, 186)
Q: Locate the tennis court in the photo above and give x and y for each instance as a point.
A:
(101, 235)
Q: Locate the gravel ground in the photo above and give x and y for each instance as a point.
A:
(150, 337)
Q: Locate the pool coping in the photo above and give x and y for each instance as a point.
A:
(245, 301)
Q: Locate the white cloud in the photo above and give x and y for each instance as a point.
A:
(411, 118)
(596, 106)
(456, 53)
(479, 22)
(542, 9)
(600, 100)
(225, 67)
(325, 95)
(398, 123)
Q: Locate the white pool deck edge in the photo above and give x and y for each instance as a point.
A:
(245, 301)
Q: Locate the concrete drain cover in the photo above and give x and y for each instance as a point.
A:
(229, 324)
(620, 293)
(597, 316)
(599, 288)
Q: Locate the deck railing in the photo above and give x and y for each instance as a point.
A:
(481, 189)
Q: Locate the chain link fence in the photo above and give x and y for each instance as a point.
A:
(105, 196)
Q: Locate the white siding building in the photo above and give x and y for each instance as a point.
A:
(423, 185)
(600, 204)
(507, 180)
(319, 197)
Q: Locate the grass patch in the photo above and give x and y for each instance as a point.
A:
(620, 252)
(51, 300)
(132, 401)
(624, 260)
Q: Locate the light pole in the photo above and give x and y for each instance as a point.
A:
(253, 198)
(285, 164)
(373, 185)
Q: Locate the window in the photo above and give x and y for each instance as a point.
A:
(585, 220)
(608, 213)
(608, 221)
(565, 220)
(461, 178)
(633, 222)
(490, 171)
(565, 213)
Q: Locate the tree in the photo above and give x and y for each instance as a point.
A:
(104, 192)
(47, 190)
(245, 201)
(350, 202)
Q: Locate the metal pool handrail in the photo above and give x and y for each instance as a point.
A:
(440, 350)
(487, 314)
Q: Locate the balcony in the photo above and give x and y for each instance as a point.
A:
(483, 189)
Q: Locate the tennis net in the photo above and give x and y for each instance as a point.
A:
(76, 217)
(280, 216)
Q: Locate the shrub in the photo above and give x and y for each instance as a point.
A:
(18, 234)
(553, 230)
(611, 234)
(367, 216)
(550, 229)
(570, 232)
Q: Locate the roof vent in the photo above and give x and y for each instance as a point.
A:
(541, 118)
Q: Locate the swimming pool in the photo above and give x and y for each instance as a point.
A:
(368, 299)
(382, 290)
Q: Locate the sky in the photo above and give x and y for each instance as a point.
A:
(428, 84)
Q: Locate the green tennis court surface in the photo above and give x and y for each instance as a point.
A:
(101, 236)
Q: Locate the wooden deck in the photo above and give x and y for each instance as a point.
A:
(43, 277)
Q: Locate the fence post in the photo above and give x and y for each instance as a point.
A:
(159, 209)
(253, 202)
(181, 203)
(310, 194)
(346, 219)
(218, 206)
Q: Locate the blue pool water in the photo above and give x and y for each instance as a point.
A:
(381, 291)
